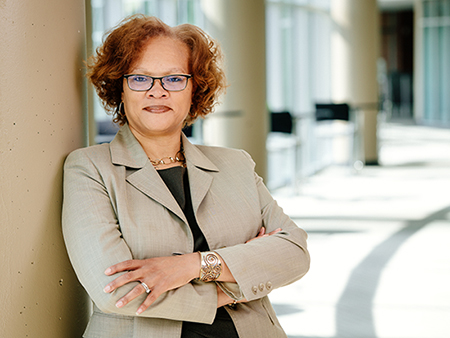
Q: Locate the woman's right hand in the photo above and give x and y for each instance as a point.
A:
(160, 274)
(223, 299)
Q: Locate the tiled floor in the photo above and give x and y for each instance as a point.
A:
(379, 243)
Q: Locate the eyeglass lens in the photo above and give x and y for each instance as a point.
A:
(145, 82)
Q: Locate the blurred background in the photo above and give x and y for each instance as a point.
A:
(344, 106)
(333, 71)
(357, 135)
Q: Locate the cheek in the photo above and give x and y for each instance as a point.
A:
(188, 106)
(130, 99)
(189, 98)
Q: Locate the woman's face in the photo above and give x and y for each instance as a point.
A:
(158, 112)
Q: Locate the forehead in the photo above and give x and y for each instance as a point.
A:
(163, 55)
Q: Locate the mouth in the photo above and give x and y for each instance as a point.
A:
(157, 109)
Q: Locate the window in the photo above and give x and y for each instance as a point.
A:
(298, 36)
(298, 54)
(436, 56)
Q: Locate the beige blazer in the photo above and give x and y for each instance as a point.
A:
(116, 207)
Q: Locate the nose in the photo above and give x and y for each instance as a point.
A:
(157, 89)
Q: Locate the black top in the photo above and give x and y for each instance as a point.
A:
(177, 181)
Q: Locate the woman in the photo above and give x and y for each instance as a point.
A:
(171, 239)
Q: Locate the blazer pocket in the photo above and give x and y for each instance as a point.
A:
(269, 310)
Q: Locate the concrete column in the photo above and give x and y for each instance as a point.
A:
(241, 121)
(355, 50)
(41, 121)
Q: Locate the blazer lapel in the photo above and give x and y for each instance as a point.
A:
(199, 168)
(200, 182)
(126, 151)
(148, 181)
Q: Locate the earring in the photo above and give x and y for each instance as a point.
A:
(119, 109)
(193, 114)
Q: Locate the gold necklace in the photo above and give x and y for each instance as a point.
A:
(179, 157)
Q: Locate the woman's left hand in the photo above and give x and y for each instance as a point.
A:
(262, 233)
(160, 274)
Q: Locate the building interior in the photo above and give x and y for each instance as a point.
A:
(344, 105)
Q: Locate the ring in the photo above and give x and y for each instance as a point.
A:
(147, 289)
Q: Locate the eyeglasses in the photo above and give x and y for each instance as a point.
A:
(171, 83)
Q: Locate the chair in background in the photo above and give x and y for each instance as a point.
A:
(281, 122)
(332, 111)
(350, 129)
(282, 146)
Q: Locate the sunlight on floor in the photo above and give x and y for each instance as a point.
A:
(378, 243)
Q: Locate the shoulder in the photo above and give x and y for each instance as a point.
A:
(93, 154)
(222, 151)
(222, 156)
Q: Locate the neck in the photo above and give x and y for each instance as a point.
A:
(157, 147)
(161, 147)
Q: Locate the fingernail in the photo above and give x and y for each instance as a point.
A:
(107, 288)
(119, 303)
(107, 271)
(139, 311)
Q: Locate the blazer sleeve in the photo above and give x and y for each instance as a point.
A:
(94, 242)
(269, 262)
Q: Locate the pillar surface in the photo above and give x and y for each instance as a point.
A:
(241, 121)
(41, 121)
(355, 50)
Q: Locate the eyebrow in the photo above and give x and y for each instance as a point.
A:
(171, 71)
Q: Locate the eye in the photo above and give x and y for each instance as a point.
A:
(174, 79)
(140, 78)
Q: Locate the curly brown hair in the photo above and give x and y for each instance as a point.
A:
(123, 46)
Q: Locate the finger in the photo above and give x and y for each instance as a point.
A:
(123, 266)
(274, 232)
(262, 236)
(126, 278)
(152, 296)
(259, 235)
(135, 292)
(252, 239)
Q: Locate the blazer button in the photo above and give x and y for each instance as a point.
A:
(268, 285)
(261, 287)
(254, 289)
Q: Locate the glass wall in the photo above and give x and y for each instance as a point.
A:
(298, 76)
(436, 68)
(298, 54)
